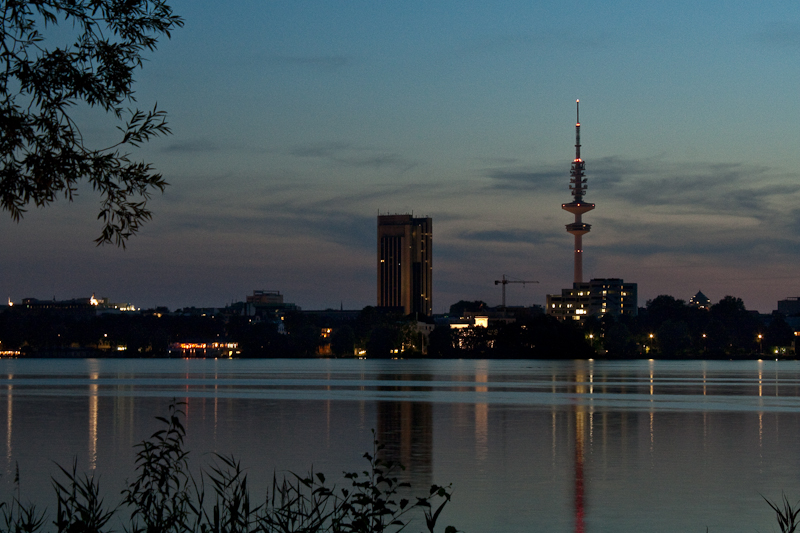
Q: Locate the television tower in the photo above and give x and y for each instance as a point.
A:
(577, 184)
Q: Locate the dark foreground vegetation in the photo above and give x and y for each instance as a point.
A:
(165, 497)
(665, 328)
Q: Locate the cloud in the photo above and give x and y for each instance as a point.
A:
(343, 228)
(331, 62)
(498, 160)
(191, 146)
(327, 150)
(779, 35)
(506, 236)
(729, 238)
(700, 187)
(278, 215)
(346, 154)
(523, 179)
(510, 43)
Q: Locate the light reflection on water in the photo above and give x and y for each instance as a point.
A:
(528, 445)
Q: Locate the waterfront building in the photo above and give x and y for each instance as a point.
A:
(78, 308)
(700, 301)
(405, 263)
(598, 297)
(204, 349)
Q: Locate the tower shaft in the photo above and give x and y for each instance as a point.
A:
(578, 207)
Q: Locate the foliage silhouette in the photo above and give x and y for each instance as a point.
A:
(43, 153)
(165, 497)
(785, 514)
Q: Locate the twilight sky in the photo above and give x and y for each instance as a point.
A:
(296, 122)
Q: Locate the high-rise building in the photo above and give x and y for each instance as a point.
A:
(405, 263)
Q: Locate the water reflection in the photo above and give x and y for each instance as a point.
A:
(558, 446)
(405, 429)
(580, 380)
(481, 412)
(93, 406)
(9, 421)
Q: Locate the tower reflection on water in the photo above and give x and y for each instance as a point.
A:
(580, 441)
(622, 423)
(406, 429)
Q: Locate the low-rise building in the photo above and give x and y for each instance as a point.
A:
(598, 297)
(700, 301)
(268, 305)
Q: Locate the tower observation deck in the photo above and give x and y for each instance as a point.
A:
(577, 184)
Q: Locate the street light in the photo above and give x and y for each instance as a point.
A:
(760, 350)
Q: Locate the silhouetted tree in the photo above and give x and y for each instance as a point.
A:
(778, 333)
(305, 340)
(717, 339)
(441, 343)
(43, 153)
(382, 341)
(663, 308)
(476, 342)
(541, 337)
(343, 341)
(258, 339)
(673, 339)
(619, 342)
(740, 326)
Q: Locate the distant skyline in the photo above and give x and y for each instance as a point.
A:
(295, 124)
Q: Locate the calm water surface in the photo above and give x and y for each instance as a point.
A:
(528, 445)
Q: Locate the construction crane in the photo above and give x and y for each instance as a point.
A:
(505, 281)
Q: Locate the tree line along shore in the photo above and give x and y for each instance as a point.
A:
(666, 328)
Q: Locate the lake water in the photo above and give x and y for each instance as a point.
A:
(527, 445)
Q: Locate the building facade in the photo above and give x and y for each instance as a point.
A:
(598, 297)
(700, 301)
(268, 305)
(790, 306)
(405, 263)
